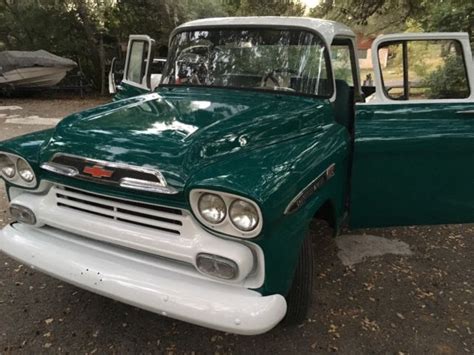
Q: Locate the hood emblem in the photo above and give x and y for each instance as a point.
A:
(97, 171)
(142, 178)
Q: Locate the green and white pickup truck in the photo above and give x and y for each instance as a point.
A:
(194, 200)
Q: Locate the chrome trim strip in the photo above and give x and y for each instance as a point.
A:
(468, 112)
(328, 173)
(160, 187)
(143, 185)
(104, 163)
(60, 169)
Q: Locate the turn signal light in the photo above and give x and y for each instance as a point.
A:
(217, 266)
(22, 214)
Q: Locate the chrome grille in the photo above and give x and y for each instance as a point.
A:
(162, 218)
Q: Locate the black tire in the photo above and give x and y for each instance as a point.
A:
(301, 293)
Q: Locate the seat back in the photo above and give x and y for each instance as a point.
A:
(344, 104)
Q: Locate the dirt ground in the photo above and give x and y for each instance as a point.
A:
(411, 294)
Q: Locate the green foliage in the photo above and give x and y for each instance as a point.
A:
(205, 8)
(158, 18)
(369, 17)
(93, 31)
(448, 81)
(385, 16)
(265, 8)
(341, 64)
(71, 28)
(448, 16)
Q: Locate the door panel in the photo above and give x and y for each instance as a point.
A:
(136, 79)
(413, 164)
(414, 138)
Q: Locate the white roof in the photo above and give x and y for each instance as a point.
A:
(327, 29)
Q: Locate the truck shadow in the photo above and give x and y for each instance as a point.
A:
(383, 304)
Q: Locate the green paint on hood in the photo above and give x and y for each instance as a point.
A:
(180, 131)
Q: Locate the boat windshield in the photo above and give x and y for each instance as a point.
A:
(267, 59)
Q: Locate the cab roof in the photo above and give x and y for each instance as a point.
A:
(327, 29)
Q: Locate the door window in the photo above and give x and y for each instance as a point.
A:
(342, 62)
(423, 69)
(137, 62)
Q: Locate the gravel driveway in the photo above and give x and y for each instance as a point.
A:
(393, 290)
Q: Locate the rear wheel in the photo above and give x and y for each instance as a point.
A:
(299, 298)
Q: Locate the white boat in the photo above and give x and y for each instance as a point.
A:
(37, 69)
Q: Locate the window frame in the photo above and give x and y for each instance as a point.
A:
(406, 68)
(381, 98)
(146, 80)
(142, 66)
(349, 42)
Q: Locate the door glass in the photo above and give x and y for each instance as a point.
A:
(137, 61)
(422, 69)
(391, 65)
(342, 65)
(436, 70)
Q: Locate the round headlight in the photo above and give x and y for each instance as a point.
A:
(7, 167)
(212, 208)
(24, 170)
(243, 215)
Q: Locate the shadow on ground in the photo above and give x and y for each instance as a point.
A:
(420, 303)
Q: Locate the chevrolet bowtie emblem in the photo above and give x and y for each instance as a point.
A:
(97, 171)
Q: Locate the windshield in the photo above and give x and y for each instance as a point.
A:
(266, 59)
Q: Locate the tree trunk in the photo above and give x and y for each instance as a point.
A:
(102, 64)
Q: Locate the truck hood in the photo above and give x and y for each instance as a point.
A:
(182, 130)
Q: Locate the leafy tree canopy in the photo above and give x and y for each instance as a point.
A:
(384, 16)
(92, 31)
(265, 8)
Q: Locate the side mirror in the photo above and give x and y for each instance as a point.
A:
(112, 87)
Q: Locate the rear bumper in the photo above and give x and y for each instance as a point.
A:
(142, 280)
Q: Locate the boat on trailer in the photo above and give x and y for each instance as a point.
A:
(32, 69)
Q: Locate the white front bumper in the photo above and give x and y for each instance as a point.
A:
(142, 280)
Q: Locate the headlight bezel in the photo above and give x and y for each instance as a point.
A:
(225, 227)
(16, 179)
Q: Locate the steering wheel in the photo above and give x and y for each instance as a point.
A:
(271, 75)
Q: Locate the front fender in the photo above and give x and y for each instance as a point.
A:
(272, 177)
(27, 146)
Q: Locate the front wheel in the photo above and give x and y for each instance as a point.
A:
(299, 298)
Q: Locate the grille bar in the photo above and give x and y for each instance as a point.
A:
(128, 205)
(152, 216)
